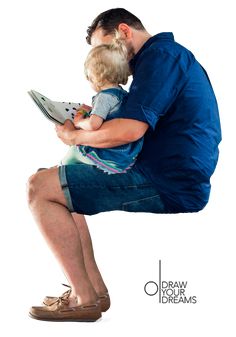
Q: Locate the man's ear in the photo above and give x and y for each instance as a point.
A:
(125, 31)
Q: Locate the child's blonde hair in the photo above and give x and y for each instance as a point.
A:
(107, 63)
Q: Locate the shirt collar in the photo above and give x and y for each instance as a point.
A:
(155, 38)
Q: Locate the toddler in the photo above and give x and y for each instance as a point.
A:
(106, 67)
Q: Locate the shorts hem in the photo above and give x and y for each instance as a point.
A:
(65, 188)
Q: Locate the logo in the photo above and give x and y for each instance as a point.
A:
(169, 291)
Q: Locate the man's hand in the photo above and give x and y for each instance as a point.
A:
(66, 132)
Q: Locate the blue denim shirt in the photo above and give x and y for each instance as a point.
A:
(172, 93)
(108, 104)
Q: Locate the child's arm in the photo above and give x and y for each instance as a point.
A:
(102, 105)
(91, 123)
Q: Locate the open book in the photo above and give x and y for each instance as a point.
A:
(57, 112)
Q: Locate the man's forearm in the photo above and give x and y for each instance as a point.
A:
(112, 133)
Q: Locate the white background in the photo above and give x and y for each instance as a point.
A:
(43, 48)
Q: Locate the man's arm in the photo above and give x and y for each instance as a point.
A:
(115, 132)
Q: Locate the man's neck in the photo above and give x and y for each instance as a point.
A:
(140, 38)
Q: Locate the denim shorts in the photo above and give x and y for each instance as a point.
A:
(88, 190)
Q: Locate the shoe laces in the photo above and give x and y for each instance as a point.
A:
(63, 299)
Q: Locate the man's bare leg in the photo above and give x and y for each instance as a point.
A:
(88, 253)
(89, 259)
(48, 206)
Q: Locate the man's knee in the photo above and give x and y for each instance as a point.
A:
(33, 187)
(45, 185)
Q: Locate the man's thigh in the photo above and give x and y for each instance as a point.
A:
(45, 184)
(89, 190)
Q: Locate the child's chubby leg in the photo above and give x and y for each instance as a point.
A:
(69, 158)
(73, 156)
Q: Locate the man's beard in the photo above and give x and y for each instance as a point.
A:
(131, 53)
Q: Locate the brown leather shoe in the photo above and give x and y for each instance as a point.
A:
(104, 299)
(59, 310)
(105, 302)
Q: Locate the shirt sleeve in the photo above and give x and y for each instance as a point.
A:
(158, 78)
(103, 104)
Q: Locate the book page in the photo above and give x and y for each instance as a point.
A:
(53, 110)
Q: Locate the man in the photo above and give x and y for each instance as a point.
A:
(172, 103)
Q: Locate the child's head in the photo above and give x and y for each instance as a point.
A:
(107, 65)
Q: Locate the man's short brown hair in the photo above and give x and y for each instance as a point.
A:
(110, 20)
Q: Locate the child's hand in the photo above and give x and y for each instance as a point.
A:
(78, 117)
(85, 107)
(81, 112)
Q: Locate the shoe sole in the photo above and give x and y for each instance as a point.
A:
(65, 319)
